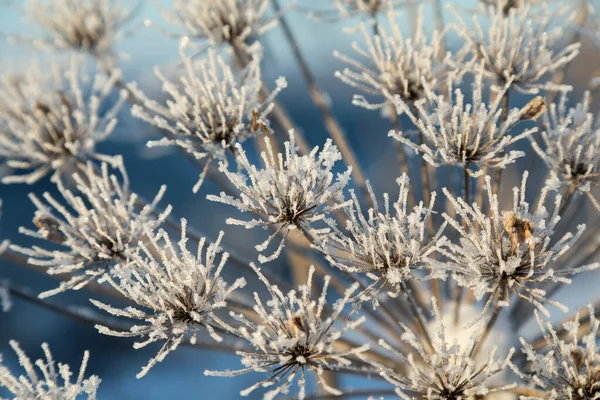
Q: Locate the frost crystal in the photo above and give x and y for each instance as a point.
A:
(293, 334)
(446, 370)
(572, 144)
(211, 109)
(566, 369)
(397, 66)
(48, 124)
(98, 227)
(181, 290)
(292, 191)
(388, 246)
(470, 135)
(48, 386)
(235, 22)
(91, 26)
(510, 250)
(520, 47)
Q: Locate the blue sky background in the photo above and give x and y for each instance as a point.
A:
(114, 360)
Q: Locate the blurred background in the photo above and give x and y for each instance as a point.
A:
(181, 374)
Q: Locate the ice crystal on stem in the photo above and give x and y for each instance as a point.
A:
(444, 370)
(521, 47)
(398, 66)
(47, 124)
(568, 367)
(90, 26)
(294, 334)
(54, 383)
(511, 250)
(211, 108)
(572, 144)
(466, 134)
(388, 246)
(234, 22)
(292, 190)
(97, 227)
(181, 290)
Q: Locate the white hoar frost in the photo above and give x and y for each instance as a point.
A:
(292, 335)
(510, 251)
(52, 382)
(568, 366)
(389, 246)
(176, 293)
(96, 227)
(444, 370)
(50, 122)
(473, 134)
(292, 191)
(210, 109)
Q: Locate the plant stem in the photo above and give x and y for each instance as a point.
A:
(331, 124)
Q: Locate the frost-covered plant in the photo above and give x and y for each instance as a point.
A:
(234, 22)
(474, 135)
(568, 366)
(48, 124)
(98, 226)
(180, 289)
(396, 65)
(292, 191)
(210, 109)
(512, 250)
(294, 334)
(571, 138)
(90, 26)
(388, 246)
(444, 369)
(54, 383)
(520, 47)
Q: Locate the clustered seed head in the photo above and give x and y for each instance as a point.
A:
(388, 246)
(473, 135)
(93, 229)
(90, 26)
(568, 366)
(176, 291)
(512, 250)
(54, 383)
(520, 47)
(444, 370)
(292, 191)
(210, 109)
(294, 334)
(571, 139)
(48, 126)
(398, 66)
(234, 22)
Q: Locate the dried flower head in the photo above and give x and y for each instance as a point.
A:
(387, 246)
(95, 228)
(179, 289)
(444, 369)
(398, 66)
(294, 334)
(48, 386)
(292, 190)
(211, 108)
(473, 135)
(512, 250)
(521, 46)
(90, 26)
(566, 369)
(233, 22)
(47, 123)
(572, 144)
